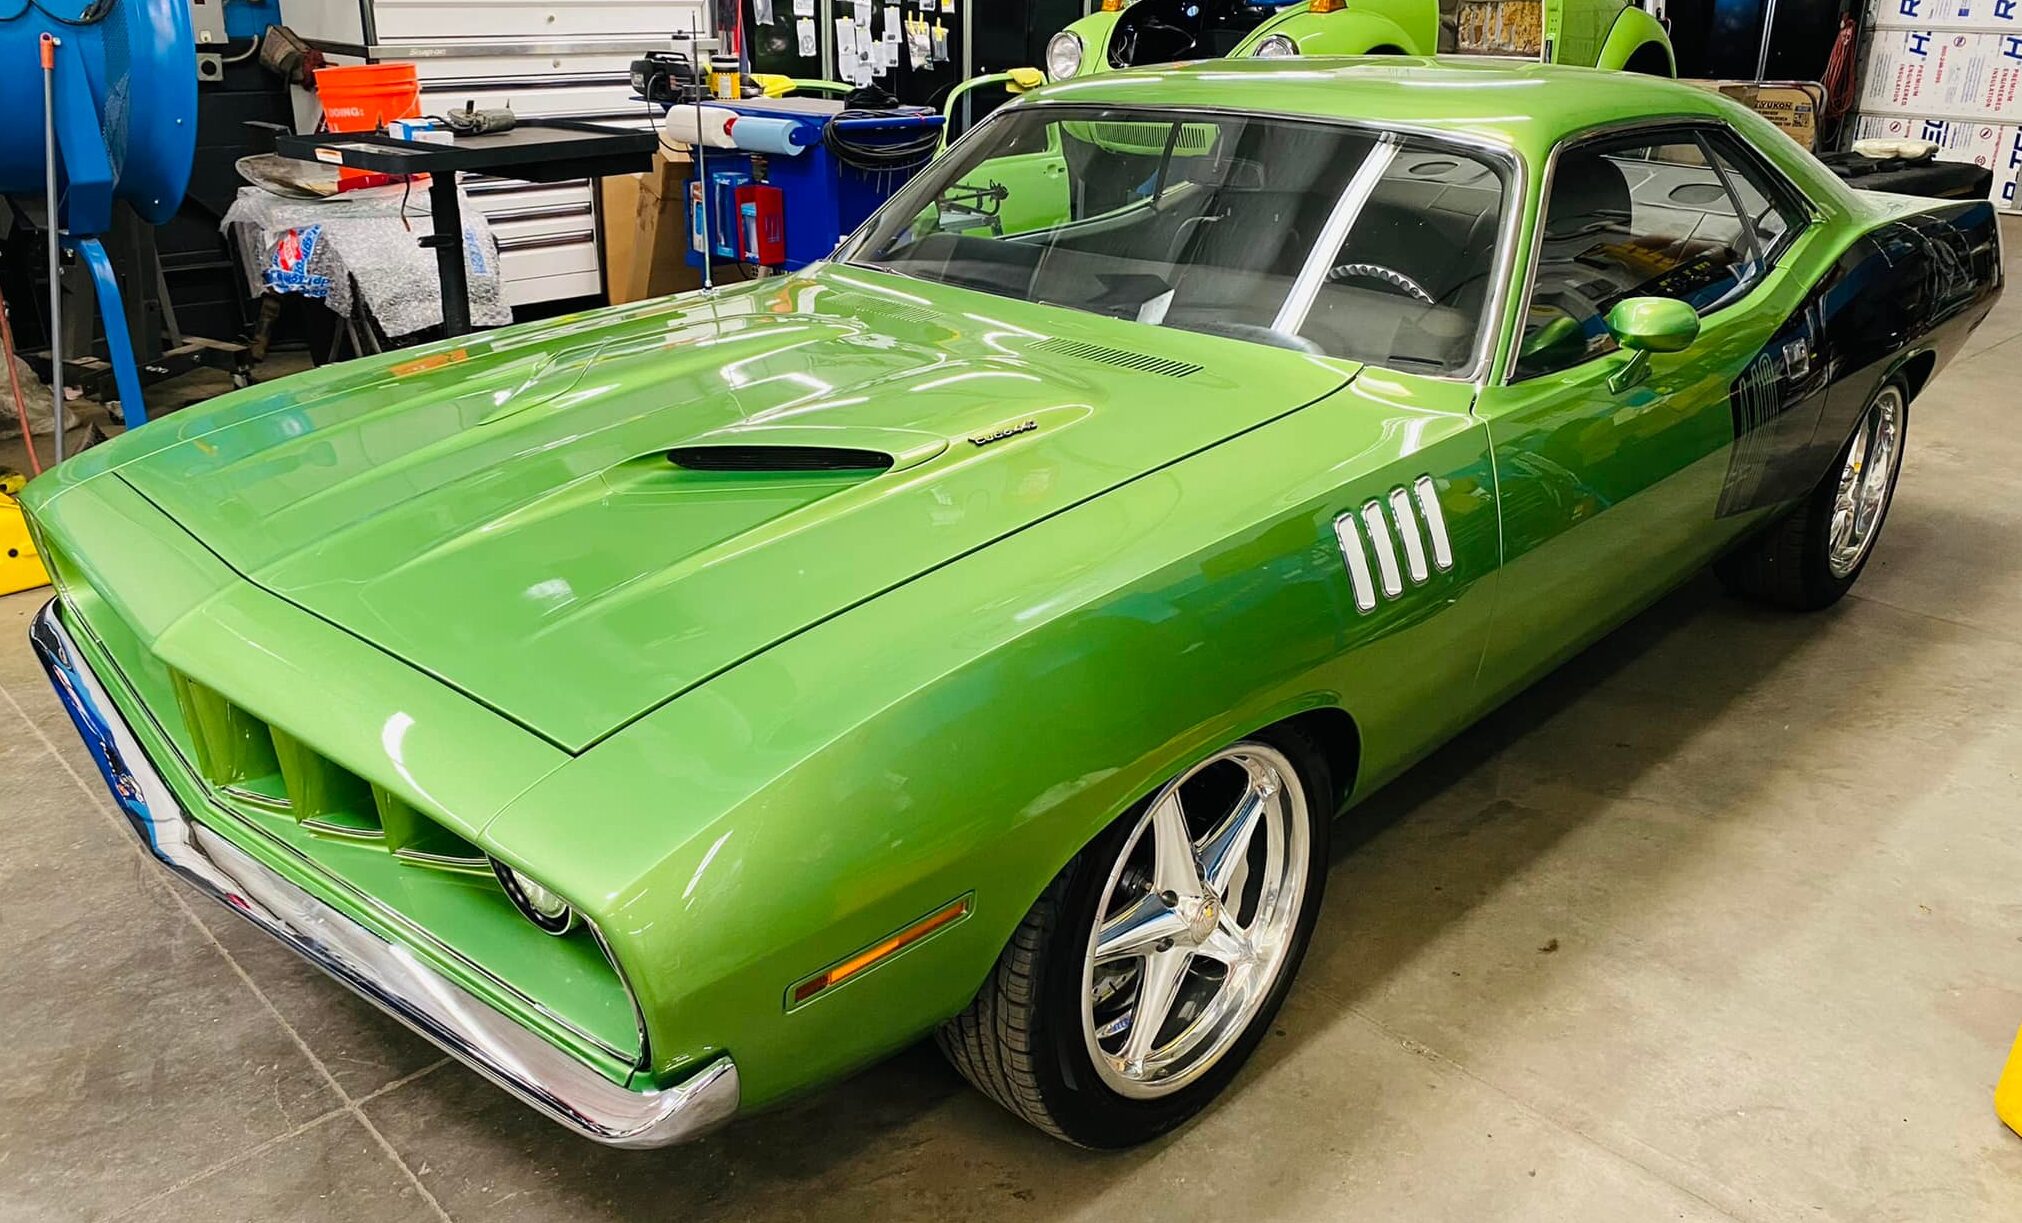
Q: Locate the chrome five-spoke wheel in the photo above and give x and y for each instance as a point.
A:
(1809, 557)
(1197, 916)
(1152, 965)
(1866, 480)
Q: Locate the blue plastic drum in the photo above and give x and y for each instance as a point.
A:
(137, 61)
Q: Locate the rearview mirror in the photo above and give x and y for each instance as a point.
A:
(1653, 324)
(1643, 325)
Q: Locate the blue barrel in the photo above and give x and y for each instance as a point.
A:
(127, 70)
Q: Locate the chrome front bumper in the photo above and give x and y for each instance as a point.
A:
(386, 973)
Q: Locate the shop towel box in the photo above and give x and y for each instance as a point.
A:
(1943, 74)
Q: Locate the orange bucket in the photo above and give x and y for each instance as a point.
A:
(365, 98)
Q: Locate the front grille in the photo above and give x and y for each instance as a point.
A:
(421, 882)
(258, 764)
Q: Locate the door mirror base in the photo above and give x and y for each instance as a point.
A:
(1632, 371)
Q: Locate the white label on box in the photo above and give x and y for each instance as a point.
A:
(1944, 74)
(1966, 14)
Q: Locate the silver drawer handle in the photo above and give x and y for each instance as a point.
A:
(549, 212)
(488, 185)
(507, 246)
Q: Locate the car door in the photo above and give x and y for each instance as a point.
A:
(1613, 485)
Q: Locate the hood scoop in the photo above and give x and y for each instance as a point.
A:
(765, 447)
(778, 458)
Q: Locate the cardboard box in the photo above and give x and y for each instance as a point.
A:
(2008, 170)
(1791, 105)
(1993, 16)
(1938, 74)
(646, 231)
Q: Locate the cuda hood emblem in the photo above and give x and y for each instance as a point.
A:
(1001, 434)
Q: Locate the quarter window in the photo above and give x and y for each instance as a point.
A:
(1680, 214)
(1766, 201)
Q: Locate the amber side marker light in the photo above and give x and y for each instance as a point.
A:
(1326, 6)
(870, 956)
(1112, 6)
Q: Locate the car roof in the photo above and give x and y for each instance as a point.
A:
(1524, 104)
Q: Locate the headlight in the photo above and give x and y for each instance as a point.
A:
(539, 905)
(1063, 55)
(1275, 46)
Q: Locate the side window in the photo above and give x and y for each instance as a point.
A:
(1767, 202)
(1630, 216)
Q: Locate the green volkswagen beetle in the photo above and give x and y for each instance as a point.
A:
(671, 708)
(1141, 33)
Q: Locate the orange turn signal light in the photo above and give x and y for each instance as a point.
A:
(1112, 6)
(1326, 6)
(870, 956)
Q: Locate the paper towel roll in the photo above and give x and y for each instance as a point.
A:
(713, 128)
(761, 134)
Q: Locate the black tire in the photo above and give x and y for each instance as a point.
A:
(1789, 564)
(1021, 1043)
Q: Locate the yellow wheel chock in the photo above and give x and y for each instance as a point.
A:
(20, 567)
(2008, 1092)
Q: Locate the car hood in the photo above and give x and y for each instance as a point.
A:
(575, 522)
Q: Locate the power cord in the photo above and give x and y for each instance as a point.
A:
(873, 155)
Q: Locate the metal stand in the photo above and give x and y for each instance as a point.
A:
(446, 210)
(55, 204)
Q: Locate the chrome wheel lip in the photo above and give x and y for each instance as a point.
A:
(1253, 956)
(1866, 482)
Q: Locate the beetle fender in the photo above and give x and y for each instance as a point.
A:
(1634, 31)
(1348, 32)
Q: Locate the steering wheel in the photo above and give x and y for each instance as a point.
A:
(1376, 271)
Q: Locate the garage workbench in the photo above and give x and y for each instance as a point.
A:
(538, 150)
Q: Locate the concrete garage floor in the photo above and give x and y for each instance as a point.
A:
(1724, 920)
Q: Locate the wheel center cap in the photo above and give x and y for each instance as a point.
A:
(1201, 916)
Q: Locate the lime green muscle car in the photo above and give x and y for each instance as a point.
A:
(671, 708)
(1142, 33)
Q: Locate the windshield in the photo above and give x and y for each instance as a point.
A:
(1307, 235)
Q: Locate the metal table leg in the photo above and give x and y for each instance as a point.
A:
(447, 210)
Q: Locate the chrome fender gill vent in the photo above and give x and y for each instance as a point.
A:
(1392, 539)
(1143, 362)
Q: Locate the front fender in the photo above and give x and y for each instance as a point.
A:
(968, 732)
(1411, 28)
(1633, 30)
